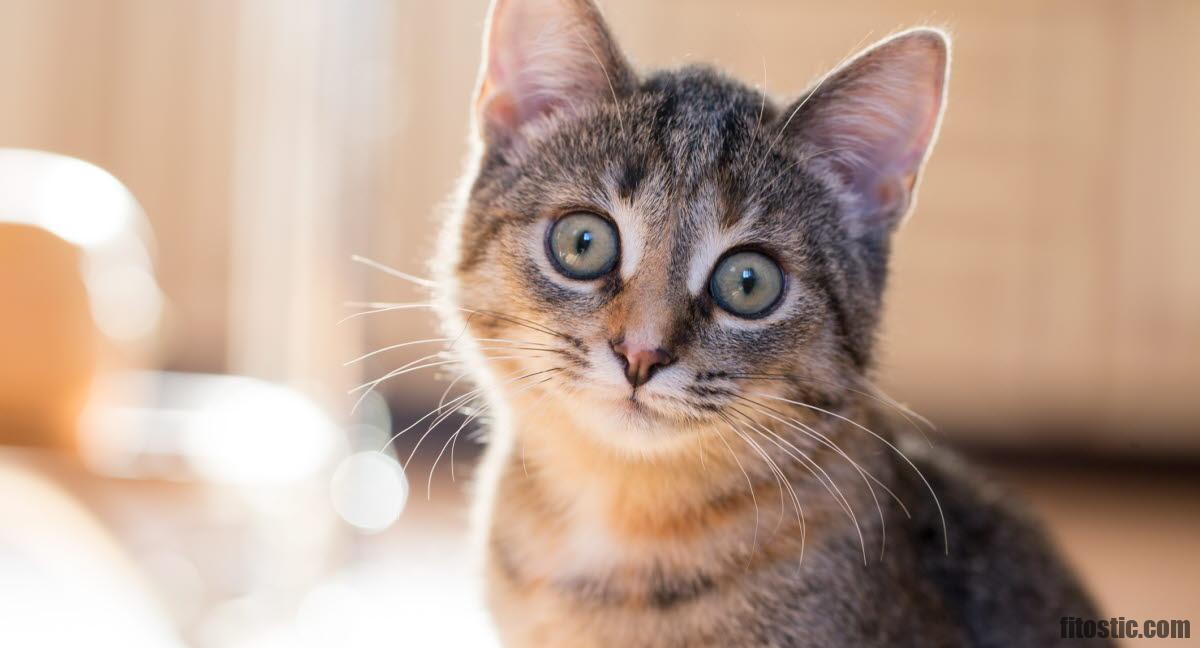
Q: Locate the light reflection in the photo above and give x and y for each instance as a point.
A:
(247, 430)
(369, 490)
(335, 614)
(86, 206)
(62, 580)
(78, 202)
(229, 429)
(126, 303)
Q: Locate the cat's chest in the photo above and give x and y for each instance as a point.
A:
(585, 584)
(573, 550)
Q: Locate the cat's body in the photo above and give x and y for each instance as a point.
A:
(669, 287)
(645, 568)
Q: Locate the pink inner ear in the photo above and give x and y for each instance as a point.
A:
(877, 117)
(543, 56)
(495, 110)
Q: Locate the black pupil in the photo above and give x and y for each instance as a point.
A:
(748, 280)
(583, 242)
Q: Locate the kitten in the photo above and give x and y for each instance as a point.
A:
(669, 287)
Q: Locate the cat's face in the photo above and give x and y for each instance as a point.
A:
(660, 250)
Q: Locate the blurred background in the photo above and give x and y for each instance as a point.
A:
(183, 186)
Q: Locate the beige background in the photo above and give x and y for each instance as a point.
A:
(1045, 292)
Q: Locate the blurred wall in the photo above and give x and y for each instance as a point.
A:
(143, 89)
(1044, 292)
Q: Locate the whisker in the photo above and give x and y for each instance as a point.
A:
(611, 87)
(778, 481)
(409, 367)
(812, 432)
(388, 270)
(377, 307)
(753, 497)
(828, 483)
(762, 108)
(474, 394)
(827, 442)
(392, 347)
(801, 457)
(879, 397)
(892, 446)
(454, 435)
(836, 449)
(467, 421)
(387, 307)
(782, 480)
(462, 399)
(523, 467)
(457, 379)
(453, 403)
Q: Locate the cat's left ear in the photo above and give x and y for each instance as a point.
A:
(542, 57)
(875, 119)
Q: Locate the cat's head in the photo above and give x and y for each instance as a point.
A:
(655, 249)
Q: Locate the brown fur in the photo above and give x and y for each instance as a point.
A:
(756, 490)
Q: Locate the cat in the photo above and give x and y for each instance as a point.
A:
(668, 285)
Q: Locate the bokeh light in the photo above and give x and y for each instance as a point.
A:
(369, 490)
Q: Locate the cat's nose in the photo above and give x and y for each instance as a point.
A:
(640, 362)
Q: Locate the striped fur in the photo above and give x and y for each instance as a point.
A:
(726, 501)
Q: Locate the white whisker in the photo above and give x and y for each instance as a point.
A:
(454, 435)
(828, 482)
(782, 480)
(392, 347)
(898, 451)
(753, 497)
(388, 270)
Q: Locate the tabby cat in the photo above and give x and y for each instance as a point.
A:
(669, 286)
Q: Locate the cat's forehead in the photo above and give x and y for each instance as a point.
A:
(684, 168)
(687, 126)
(683, 233)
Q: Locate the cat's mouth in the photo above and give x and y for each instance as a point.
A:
(653, 409)
(632, 406)
(637, 405)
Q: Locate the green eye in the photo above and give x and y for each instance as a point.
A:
(747, 284)
(583, 245)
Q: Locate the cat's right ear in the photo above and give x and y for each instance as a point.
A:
(542, 57)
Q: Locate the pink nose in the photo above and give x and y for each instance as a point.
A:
(640, 362)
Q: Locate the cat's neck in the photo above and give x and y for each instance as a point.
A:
(573, 468)
(568, 517)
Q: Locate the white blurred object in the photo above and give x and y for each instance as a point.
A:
(86, 206)
(63, 581)
(223, 429)
(369, 490)
(79, 202)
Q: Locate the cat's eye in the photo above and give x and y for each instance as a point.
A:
(747, 284)
(583, 245)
